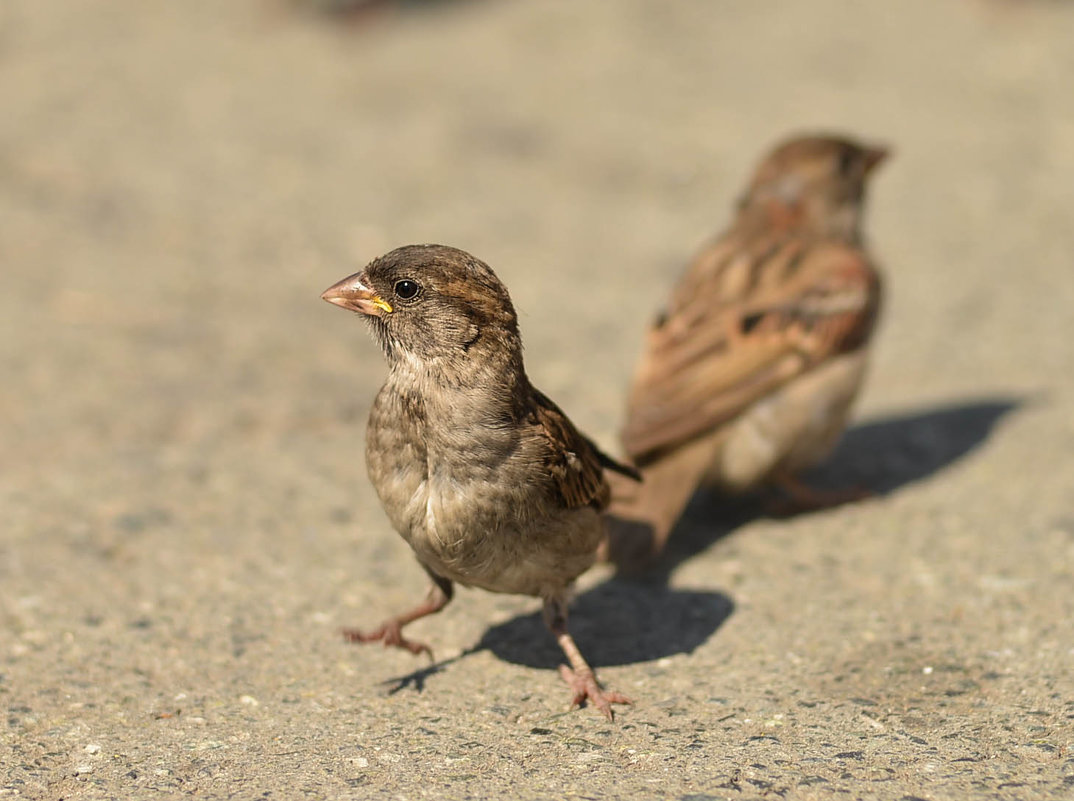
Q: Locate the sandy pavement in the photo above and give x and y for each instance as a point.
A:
(185, 520)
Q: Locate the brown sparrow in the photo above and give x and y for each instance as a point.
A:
(748, 374)
(484, 476)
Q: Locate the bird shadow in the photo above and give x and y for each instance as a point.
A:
(360, 13)
(416, 678)
(627, 620)
(618, 622)
(886, 454)
(880, 456)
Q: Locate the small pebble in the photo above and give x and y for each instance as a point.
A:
(92, 748)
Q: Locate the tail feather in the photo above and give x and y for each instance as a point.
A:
(640, 517)
(608, 463)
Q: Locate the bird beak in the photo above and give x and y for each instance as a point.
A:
(352, 293)
(874, 156)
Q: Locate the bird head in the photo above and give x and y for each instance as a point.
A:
(433, 303)
(815, 184)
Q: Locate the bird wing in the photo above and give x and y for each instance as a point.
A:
(750, 315)
(575, 464)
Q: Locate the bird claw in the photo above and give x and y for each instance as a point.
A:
(585, 687)
(390, 634)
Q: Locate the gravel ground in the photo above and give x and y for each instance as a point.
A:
(186, 520)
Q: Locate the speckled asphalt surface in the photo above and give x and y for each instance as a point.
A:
(185, 521)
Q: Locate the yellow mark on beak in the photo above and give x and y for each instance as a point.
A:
(352, 293)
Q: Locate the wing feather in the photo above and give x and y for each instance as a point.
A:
(575, 464)
(748, 317)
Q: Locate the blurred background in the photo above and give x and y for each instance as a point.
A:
(185, 513)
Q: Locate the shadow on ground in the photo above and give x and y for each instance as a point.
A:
(880, 455)
(625, 621)
(618, 622)
(357, 14)
(885, 455)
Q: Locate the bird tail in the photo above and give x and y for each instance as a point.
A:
(640, 517)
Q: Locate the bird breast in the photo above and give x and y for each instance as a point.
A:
(469, 495)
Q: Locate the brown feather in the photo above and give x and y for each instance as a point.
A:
(485, 478)
(753, 365)
(574, 462)
(803, 304)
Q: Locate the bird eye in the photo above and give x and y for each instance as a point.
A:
(407, 290)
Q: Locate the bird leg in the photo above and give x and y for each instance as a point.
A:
(579, 676)
(803, 498)
(390, 632)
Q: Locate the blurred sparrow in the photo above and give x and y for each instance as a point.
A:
(484, 477)
(748, 374)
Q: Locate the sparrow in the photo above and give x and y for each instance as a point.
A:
(486, 479)
(747, 375)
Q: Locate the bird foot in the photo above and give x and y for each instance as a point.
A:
(390, 633)
(584, 686)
